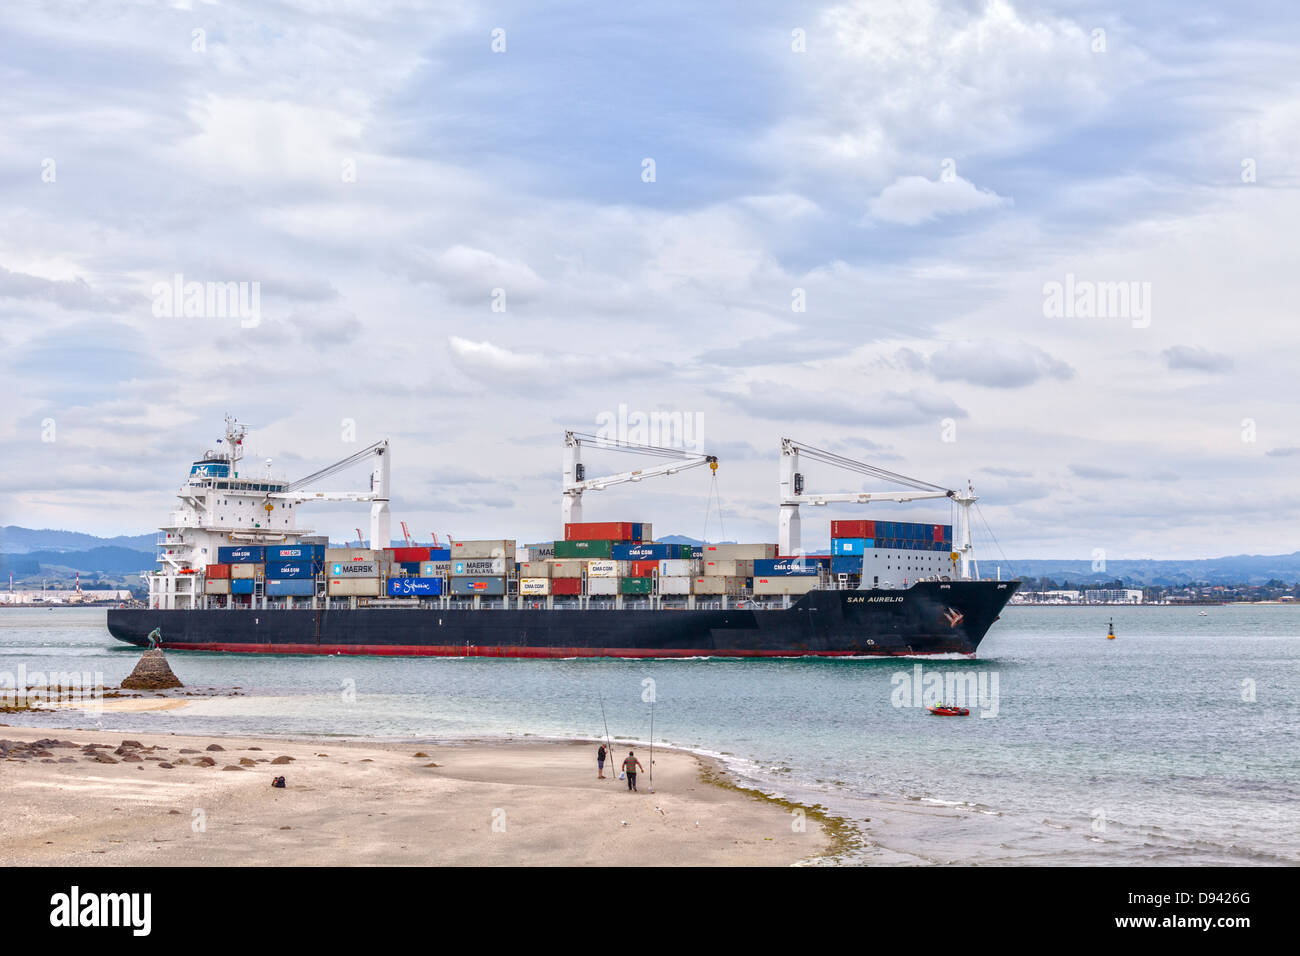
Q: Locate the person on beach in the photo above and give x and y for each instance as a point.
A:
(600, 762)
(630, 765)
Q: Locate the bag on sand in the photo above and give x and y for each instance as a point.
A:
(278, 782)
(622, 775)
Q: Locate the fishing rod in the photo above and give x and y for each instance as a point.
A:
(609, 754)
(652, 746)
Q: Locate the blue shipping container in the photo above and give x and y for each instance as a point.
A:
(241, 586)
(440, 554)
(296, 552)
(241, 555)
(414, 587)
(652, 552)
(846, 564)
(410, 567)
(292, 569)
(784, 567)
(290, 587)
(848, 546)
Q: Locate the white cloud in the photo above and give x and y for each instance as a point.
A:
(910, 200)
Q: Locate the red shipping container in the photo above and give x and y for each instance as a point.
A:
(218, 571)
(411, 554)
(598, 531)
(853, 529)
(938, 532)
(566, 585)
(644, 569)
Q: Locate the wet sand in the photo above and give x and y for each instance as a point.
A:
(365, 803)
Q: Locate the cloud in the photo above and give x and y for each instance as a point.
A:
(70, 294)
(888, 409)
(470, 275)
(992, 364)
(1180, 357)
(1284, 452)
(1096, 473)
(911, 200)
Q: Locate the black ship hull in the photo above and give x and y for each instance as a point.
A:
(930, 617)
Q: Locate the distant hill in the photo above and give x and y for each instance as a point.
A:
(103, 560)
(1232, 569)
(16, 540)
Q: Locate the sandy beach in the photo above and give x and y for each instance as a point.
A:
(157, 801)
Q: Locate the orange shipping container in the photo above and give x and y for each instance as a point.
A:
(217, 571)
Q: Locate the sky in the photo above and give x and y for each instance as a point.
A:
(1047, 248)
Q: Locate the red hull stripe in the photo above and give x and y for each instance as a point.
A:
(460, 650)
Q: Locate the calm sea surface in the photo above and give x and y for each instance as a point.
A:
(1176, 743)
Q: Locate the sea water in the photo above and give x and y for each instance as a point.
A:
(1175, 743)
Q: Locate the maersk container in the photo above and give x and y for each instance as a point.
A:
(414, 587)
(651, 552)
(488, 548)
(534, 587)
(354, 587)
(540, 551)
(295, 552)
(606, 569)
(281, 570)
(676, 584)
(629, 585)
(535, 569)
(584, 548)
(678, 568)
(287, 587)
(478, 567)
(841, 546)
(434, 569)
(786, 567)
(739, 552)
(494, 586)
(241, 585)
(602, 587)
(241, 554)
(353, 569)
(846, 564)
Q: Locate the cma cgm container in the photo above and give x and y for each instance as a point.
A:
(647, 552)
(414, 587)
(785, 567)
(488, 548)
(584, 549)
(478, 567)
(295, 552)
(535, 587)
(281, 570)
(489, 586)
(783, 585)
(288, 587)
(606, 569)
(608, 530)
(241, 554)
(217, 571)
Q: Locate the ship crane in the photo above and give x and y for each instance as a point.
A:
(575, 473)
(377, 495)
(792, 496)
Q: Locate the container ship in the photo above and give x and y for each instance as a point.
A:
(237, 574)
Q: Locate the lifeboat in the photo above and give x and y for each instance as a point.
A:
(942, 711)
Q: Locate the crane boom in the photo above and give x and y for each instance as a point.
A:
(575, 480)
(380, 516)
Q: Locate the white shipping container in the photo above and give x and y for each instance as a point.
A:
(566, 568)
(602, 586)
(606, 569)
(333, 555)
(354, 587)
(675, 585)
(541, 551)
(716, 567)
(494, 548)
(739, 552)
(711, 584)
(534, 569)
(532, 587)
(434, 569)
(216, 586)
(785, 585)
(477, 567)
(678, 568)
(245, 570)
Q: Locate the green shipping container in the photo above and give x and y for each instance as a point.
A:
(584, 549)
(637, 585)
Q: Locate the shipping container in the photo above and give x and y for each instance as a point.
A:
(739, 552)
(715, 584)
(280, 570)
(584, 548)
(565, 569)
(241, 585)
(534, 587)
(629, 585)
(353, 569)
(846, 564)
(488, 548)
(535, 569)
(606, 569)
(848, 546)
(411, 554)
(647, 552)
(602, 587)
(678, 568)
(642, 569)
(786, 567)
(412, 568)
(241, 554)
(566, 586)
(478, 567)
(217, 571)
(854, 529)
(286, 587)
(354, 587)
(767, 586)
(248, 571)
(494, 586)
(540, 551)
(677, 584)
(607, 530)
(434, 569)
(726, 569)
(295, 552)
(414, 587)
(336, 555)
(216, 586)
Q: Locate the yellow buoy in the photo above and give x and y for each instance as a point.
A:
(1110, 634)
